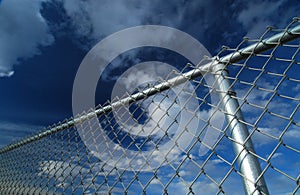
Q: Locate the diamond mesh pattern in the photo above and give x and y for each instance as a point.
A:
(111, 156)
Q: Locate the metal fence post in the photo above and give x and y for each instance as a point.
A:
(66, 165)
(253, 180)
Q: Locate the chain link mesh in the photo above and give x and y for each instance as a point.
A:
(110, 156)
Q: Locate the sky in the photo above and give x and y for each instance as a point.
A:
(43, 42)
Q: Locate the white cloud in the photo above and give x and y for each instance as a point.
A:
(71, 173)
(97, 19)
(296, 88)
(200, 186)
(277, 154)
(256, 17)
(263, 138)
(211, 133)
(22, 31)
(293, 133)
(10, 131)
(12, 126)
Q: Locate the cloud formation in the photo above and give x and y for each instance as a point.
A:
(257, 16)
(23, 30)
(97, 19)
(10, 131)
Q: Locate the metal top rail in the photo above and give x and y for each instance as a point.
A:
(238, 55)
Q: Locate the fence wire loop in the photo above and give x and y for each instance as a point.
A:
(179, 145)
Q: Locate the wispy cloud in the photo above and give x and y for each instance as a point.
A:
(256, 16)
(12, 131)
(90, 18)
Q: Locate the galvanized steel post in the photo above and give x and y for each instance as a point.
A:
(253, 180)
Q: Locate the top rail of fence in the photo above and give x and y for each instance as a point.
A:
(288, 34)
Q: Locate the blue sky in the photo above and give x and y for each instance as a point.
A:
(42, 43)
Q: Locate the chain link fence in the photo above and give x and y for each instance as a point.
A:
(170, 138)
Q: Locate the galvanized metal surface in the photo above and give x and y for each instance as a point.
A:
(56, 161)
